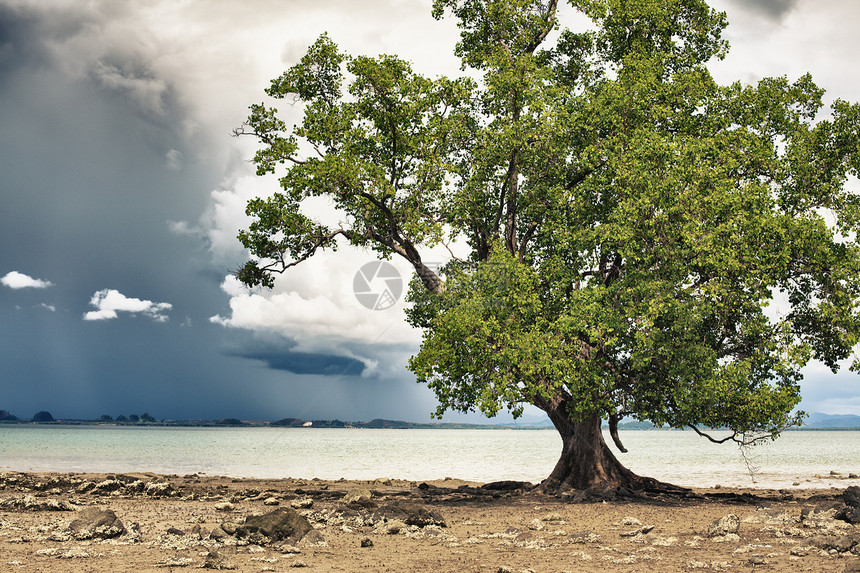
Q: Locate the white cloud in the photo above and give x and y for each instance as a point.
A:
(109, 302)
(174, 160)
(16, 280)
(314, 306)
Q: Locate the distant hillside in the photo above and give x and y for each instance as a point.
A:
(815, 421)
(819, 420)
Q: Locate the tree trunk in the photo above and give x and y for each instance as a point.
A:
(587, 462)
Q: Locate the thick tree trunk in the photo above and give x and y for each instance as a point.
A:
(586, 460)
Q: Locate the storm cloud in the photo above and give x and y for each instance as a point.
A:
(772, 9)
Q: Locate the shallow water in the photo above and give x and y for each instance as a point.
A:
(680, 457)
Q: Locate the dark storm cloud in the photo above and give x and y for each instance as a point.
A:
(84, 44)
(770, 9)
(349, 359)
(305, 363)
(23, 30)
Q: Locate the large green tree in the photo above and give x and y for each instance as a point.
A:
(642, 241)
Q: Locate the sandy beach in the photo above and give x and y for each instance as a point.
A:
(147, 522)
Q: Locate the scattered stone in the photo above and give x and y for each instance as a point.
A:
(664, 541)
(819, 515)
(134, 487)
(536, 525)
(802, 550)
(630, 521)
(302, 503)
(175, 531)
(584, 537)
(850, 515)
(215, 560)
(272, 501)
(229, 527)
(94, 523)
(757, 560)
(839, 543)
(108, 486)
(359, 496)
(297, 564)
(409, 514)
(851, 496)
(30, 503)
(313, 538)
(391, 527)
(159, 489)
(641, 531)
(725, 525)
(85, 487)
(218, 534)
(366, 542)
(282, 524)
(224, 506)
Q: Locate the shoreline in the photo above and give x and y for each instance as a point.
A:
(173, 521)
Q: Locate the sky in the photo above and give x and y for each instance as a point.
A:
(122, 192)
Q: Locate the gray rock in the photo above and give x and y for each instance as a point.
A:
(283, 524)
(215, 560)
(821, 512)
(108, 486)
(159, 489)
(217, 533)
(840, 543)
(409, 514)
(313, 538)
(391, 526)
(725, 525)
(357, 496)
(851, 496)
(302, 503)
(849, 514)
(94, 523)
(584, 537)
(229, 527)
(31, 503)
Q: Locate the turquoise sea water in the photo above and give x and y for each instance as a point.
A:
(481, 455)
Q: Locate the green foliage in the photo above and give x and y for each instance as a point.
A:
(643, 241)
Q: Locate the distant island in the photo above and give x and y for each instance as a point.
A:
(815, 421)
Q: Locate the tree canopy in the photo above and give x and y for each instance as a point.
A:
(642, 241)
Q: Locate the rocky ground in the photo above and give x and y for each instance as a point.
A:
(145, 522)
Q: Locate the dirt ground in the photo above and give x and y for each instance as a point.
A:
(175, 522)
